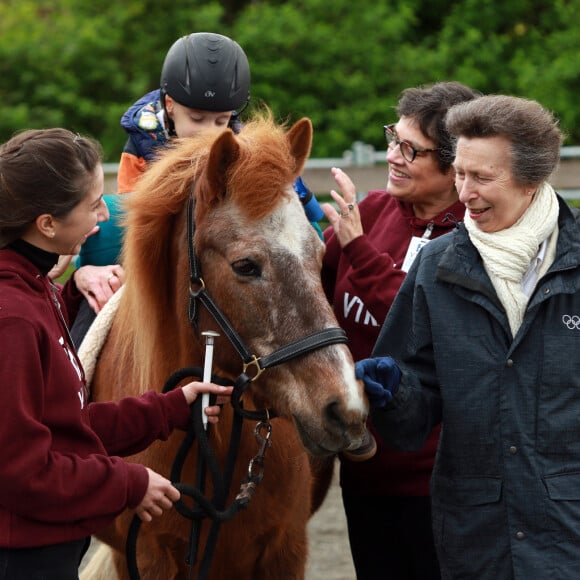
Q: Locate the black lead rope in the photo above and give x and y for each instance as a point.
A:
(221, 482)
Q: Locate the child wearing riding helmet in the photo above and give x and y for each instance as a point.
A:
(205, 84)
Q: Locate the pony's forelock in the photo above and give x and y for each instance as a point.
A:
(264, 170)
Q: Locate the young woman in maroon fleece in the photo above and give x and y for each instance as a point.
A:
(369, 248)
(61, 477)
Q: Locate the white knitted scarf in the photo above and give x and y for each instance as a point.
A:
(507, 254)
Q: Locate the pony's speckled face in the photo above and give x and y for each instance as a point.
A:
(265, 276)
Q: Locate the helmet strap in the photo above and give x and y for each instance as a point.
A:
(169, 124)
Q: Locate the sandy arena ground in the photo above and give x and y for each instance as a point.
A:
(329, 550)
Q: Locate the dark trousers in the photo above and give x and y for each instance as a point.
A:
(391, 537)
(85, 317)
(56, 562)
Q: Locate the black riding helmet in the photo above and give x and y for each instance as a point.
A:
(206, 71)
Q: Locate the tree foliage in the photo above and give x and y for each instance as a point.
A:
(80, 63)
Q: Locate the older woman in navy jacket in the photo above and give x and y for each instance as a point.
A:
(485, 336)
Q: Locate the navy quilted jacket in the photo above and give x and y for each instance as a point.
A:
(506, 482)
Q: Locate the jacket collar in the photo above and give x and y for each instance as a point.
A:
(452, 214)
(461, 263)
(42, 259)
(568, 249)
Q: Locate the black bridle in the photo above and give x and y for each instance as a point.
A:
(199, 293)
(221, 481)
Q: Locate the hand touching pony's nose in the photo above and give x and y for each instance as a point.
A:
(381, 377)
(192, 390)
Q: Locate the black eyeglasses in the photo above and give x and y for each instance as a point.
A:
(407, 150)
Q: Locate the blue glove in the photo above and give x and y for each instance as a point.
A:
(381, 377)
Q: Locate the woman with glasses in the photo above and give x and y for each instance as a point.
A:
(486, 333)
(370, 247)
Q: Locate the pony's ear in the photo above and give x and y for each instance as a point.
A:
(224, 151)
(300, 139)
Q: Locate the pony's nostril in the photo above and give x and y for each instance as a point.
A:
(342, 424)
(333, 414)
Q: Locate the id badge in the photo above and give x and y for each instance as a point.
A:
(414, 248)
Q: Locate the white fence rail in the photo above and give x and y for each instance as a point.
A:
(367, 168)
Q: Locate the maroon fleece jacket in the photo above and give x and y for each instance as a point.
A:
(59, 478)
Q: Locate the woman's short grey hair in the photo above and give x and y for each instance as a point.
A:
(533, 132)
(428, 105)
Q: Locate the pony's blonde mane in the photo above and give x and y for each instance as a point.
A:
(264, 168)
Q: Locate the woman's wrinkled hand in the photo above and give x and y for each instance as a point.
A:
(99, 283)
(346, 221)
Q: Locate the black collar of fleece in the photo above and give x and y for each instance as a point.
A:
(42, 259)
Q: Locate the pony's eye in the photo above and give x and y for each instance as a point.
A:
(246, 268)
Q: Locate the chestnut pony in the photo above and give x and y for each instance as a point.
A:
(260, 260)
